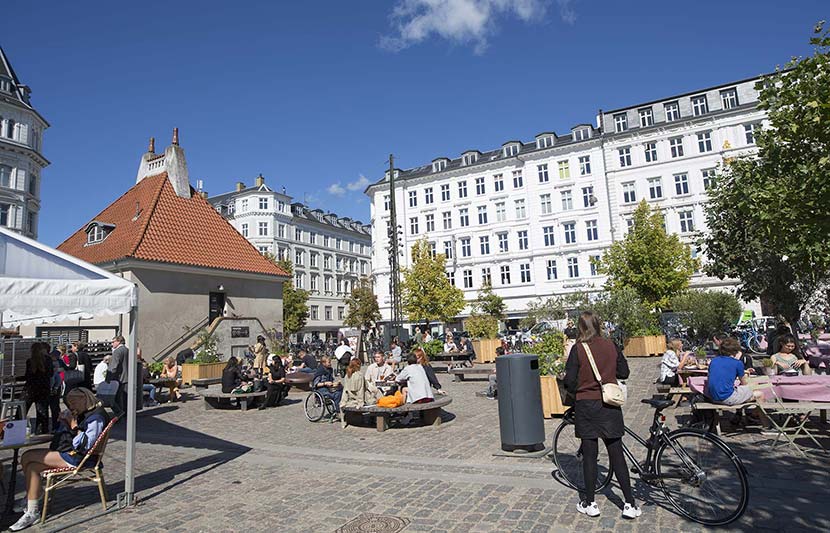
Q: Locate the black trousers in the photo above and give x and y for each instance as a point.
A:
(55, 408)
(119, 402)
(590, 451)
(41, 415)
(275, 391)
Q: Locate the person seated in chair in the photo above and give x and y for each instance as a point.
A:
(325, 384)
(380, 370)
(450, 346)
(786, 361)
(355, 390)
(423, 360)
(80, 426)
(673, 361)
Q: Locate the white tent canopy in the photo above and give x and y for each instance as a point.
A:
(39, 284)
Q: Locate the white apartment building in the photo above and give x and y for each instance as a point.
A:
(329, 253)
(529, 216)
(21, 161)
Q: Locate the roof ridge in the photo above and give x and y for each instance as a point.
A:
(146, 222)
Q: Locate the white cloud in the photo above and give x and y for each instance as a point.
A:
(335, 189)
(458, 21)
(566, 11)
(359, 184)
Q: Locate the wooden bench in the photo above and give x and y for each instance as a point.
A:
(459, 373)
(671, 392)
(215, 398)
(431, 412)
(203, 383)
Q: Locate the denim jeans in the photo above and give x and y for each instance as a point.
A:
(335, 395)
(151, 389)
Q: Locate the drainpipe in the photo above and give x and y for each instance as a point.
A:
(601, 124)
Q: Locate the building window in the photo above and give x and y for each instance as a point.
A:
(95, 234)
(244, 230)
(498, 182)
(469, 159)
(548, 233)
(651, 152)
(298, 234)
(338, 243)
(315, 282)
(708, 178)
(243, 205)
(464, 217)
(672, 111)
(428, 197)
(511, 150)
(503, 244)
(749, 133)
(547, 206)
(446, 217)
(413, 198)
(445, 192)
(729, 98)
(298, 257)
(588, 199)
(584, 165)
(263, 229)
(413, 225)
(620, 122)
(655, 188)
(451, 278)
(339, 286)
(543, 173)
(465, 247)
(312, 237)
(522, 235)
(699, 105)
(629, 193)
(625, 156)
(524, 273)
(312, 259)
(327, 284)
(327, 262)
(430, 222)
(646, 117)
(263, 203)
(386, 202)
(518, 181)
(479, 186)
(704, 142)
(564, 170)
(328, 312)
(501, 212)
(687, 221)
(467, 277)
(482, 214)
(484, 242)
(681, 184)
(314, 310)
(438, 166)
(567, 200)
(573, 267)
(30, 222)
(544, 142)
(462, 189)
(299, 280)
(582, 134)
(591, 230)
(520, 209)
(6, 176)
(432, 251)
(448, 249)
(676, 145)
(551, 269)
(486, 278)
(505, 274)
(341, 313)
(326, 241)
(593, 261)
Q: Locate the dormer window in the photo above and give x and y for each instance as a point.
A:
(581, 134)
(511, 150)
(544, 141)
(5, 85)
(439, 164)
(97, 232)
(470, 158)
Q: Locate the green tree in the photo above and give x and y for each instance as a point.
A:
(769, 214)
(554, 308)
(363, 308)
(294, 300)
(490, 303)
(623, 307)
(708, 311)
(481, 326)
(656, 265)
(427, 294)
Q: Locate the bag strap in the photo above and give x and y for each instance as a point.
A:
(591, 360)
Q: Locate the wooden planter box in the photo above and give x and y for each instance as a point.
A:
(486, 349)
(552, 396)
(191, 371)
(651, 346)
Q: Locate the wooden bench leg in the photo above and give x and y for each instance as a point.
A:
(209, 405)
(432, 417)
(382, 422)
(243, 403)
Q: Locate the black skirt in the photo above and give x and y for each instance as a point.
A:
(595, 420)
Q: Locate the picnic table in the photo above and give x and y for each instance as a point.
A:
(797, 388)
(448, 360)
(215, 398)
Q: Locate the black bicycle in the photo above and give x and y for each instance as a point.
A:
(700, 475)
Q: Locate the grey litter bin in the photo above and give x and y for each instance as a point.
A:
(521, 422)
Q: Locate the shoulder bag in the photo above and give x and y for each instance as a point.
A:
(612, 393)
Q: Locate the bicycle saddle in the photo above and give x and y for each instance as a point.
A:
(657, 403)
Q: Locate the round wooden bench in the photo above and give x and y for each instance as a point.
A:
(431, 412)
(215, 398)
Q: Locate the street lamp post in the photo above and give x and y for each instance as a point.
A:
(394, 252)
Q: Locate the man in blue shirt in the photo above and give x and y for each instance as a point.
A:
(723, 371)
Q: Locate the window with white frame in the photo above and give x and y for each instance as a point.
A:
(729, 98)
(524, 273)
(511, 150)
(749, 133)
(338, 243)
(386, 202)
(521, 212)
(567, 200)
(328, 312)
(625, 156)
(446, 218)
(498, 182)
(704, 142)
(281, 231)
(522, 237)
(550, 268)
(244, 230)
(504, 246)
(708, 175)
(548, 235)
(700, 106)
(312, 259)
(339, 286)
(650, 150)
(413, 198)
(327, 262)
(314, 310)
(281, 206)
(467, 276)
(315, 282)
(428, 197)
(95, 234)
(501, 212)
(326, 241)
(464, 217)
(299, 257)
(518, 181)
(5, 176)
(646, 117)
(582, 134)
(676, 146)
(451, 278)
(486, 278)
(312, 237)
(573, 267)
(484, 244)
(462, 189)
(243, 205)
(263, 203)
(448, 249)
(672, 110)
(687, 221)
(341, 313)
(471, 158)
(413, 226)
(588, 196)
(681, 184)
(432, 249)
(593, 261)
(620, 122)
(298, 234)
(584, 165)
(479, 186)
(429, 219)
(445, 192)
(544, 142)
(569, 228)
(543, 173)
(263, 249)
(564, 169)
(482, 214)
(505, 274)
(629, 193)
(591, 230)
(438, 166)
(655, 188)
(327, 283)
(547, 206)
(465, 247)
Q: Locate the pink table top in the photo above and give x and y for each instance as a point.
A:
(803, 388)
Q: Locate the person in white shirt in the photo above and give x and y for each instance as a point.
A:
(414, 381)
(673, 360)
(379, 370)
(395, 348)
(450, 346)
(100, 374)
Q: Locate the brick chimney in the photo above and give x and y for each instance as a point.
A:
(172, 161)
(260, 181)
(240, 186)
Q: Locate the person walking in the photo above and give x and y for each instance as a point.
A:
(84, 363)
(593, 419)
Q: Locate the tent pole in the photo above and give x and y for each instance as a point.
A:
(129, 478)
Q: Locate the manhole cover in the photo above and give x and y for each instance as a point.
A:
(374, 523)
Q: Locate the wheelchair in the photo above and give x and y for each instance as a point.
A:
(317, 406)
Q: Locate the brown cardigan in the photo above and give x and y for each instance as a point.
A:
(579, 377)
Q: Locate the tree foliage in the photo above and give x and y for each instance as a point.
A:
(427, 294)
(294, 300)
(709, 311)
(769, 215)
(554, 308)
(490, 303)
(481, 326)
(363, 308)
(550, 349)
(624, 308)
(656, 265)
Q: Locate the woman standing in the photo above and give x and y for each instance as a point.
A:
(593, 419)
(38, 386)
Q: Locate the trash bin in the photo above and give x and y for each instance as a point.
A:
(521, 422)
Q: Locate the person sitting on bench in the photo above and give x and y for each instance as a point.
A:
(413, 380)
(673, 361)
(723, 371)
(277, 388)
(231, 376)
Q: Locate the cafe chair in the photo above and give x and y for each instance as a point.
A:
(85, 471)
(789, 419)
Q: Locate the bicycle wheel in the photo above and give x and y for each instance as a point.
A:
(315, 407)
(702, 478)
(755, 344)
(567, 456)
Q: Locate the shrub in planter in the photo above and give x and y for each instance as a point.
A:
(769, 366)
(433, 347)
(550, 350)
(482, 326)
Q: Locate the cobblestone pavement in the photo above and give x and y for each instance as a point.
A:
(273, 470)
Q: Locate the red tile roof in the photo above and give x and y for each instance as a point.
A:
(152, 223)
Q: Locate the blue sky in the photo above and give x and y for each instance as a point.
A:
(315, 95)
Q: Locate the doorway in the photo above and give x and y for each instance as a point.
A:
(217, 306)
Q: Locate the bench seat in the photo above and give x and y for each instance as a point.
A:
(215, 398)
(459, 373)
(431, 412)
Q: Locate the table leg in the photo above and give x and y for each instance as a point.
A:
(243, 404)
(823, 416)
(382, 422)
(12, 482)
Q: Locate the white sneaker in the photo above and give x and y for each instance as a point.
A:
(631, 511)
(25, 521)
(589, 509)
